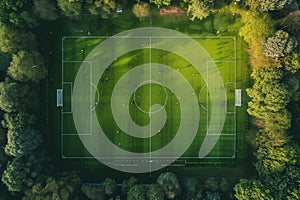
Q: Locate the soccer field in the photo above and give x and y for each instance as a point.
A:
(149, 97)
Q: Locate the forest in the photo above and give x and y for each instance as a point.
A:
(269, 27)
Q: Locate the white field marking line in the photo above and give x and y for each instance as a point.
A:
(76, 61)
(68, 83)
(146, 37)
(150, 138)
(62, 115)
(150, 152)
(234, 134)
(98, 94)
(200, 92)
(222, 134)
(207, 103)
(91, 98)
(175, 37)
(234, 145)
(137, 158)
(227, 83)
(234, 153)
(222, 157)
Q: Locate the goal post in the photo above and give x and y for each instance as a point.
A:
(238, 97)
(59, 101)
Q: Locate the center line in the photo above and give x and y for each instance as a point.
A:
(150, 97)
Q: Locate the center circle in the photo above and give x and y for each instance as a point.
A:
(137, 97)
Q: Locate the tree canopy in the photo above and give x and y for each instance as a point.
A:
(270, 5)
(14, 96)
(141, 10)
(70, 8)
(197, 9)
(22, 172)
(17, 14)
(251, 189)
(137, 192)
(27, 66)
(170, 184)
(64, 186)
(160, 3)
(279, 44)
(110, 186)
(22, 142)
(45, 9)
(13, 40)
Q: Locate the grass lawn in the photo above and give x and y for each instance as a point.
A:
(76, 49)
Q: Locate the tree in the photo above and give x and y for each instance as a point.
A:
(45, 9)
(63, 186)
(93, 192)
(279, 44)
(160, 3)
(18, 120)
(128, 184)
(27, 66)
(270, 5)
(102, 7)
(190, 186)
(170, 184)
(110, 186)
(155, 192)
(22, 172)
(70, 8)
(269, 98)
(141, 10)
(14, 96)
(274, 160)
(292, 62)
(258, 59)
(256, 26)
(137, 192)
(22, 142)
(212, 195)
(13, 40)
(17, 14)
(197, 9)
(212, 184)
(3, 141)
(285, 185)
(251, 189)
(291, 23)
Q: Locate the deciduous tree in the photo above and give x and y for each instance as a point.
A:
(110, 186)
(160, 3)
(70, 8)
(155, 192)
(170, 184)
(292, 62)
(270, 5)
(27, 66)
(197, 9)
(137, 192)
(22, 172)
(13, 40)
(251, 189)
(45, 9)
(22, 142)
(64, 186)
(14, 96)
(141, 10)
(128, 184)
(279, 44)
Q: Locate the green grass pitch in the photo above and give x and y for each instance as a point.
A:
(223, 52)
